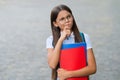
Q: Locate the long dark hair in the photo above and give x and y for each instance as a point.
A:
(56, 30)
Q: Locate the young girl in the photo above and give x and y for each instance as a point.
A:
(65, 31)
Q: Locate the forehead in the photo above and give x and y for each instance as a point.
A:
(63, 13)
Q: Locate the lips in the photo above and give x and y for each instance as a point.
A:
(68, 26)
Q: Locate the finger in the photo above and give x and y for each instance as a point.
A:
(66, 28)
(58, 69)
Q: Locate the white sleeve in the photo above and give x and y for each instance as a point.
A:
(88, 42)
(49, 42)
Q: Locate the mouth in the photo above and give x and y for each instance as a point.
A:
(68, 26)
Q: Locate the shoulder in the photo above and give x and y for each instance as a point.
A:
(86, 36)
(50, 38)
(49, 42)
(87, 40)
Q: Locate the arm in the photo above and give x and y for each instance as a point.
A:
(53, 54)
(86, 71)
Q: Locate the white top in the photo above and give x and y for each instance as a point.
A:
(69, 40)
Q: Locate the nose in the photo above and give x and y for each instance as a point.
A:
(66, 19)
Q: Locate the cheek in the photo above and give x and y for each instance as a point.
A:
(61, 26)
(71, 23)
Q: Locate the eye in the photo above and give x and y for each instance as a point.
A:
(62, 19)
(68, 17)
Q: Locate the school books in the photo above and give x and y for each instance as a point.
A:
(74, 57)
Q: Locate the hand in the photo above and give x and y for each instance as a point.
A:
(65, 33)
(62, 74)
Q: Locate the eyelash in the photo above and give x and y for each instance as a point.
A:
(68, 17)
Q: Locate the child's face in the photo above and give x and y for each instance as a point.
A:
(64, 20)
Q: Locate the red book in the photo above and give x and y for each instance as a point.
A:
(74, 57)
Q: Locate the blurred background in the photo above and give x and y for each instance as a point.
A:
(25, 26)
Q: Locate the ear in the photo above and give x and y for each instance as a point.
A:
(55, 24)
